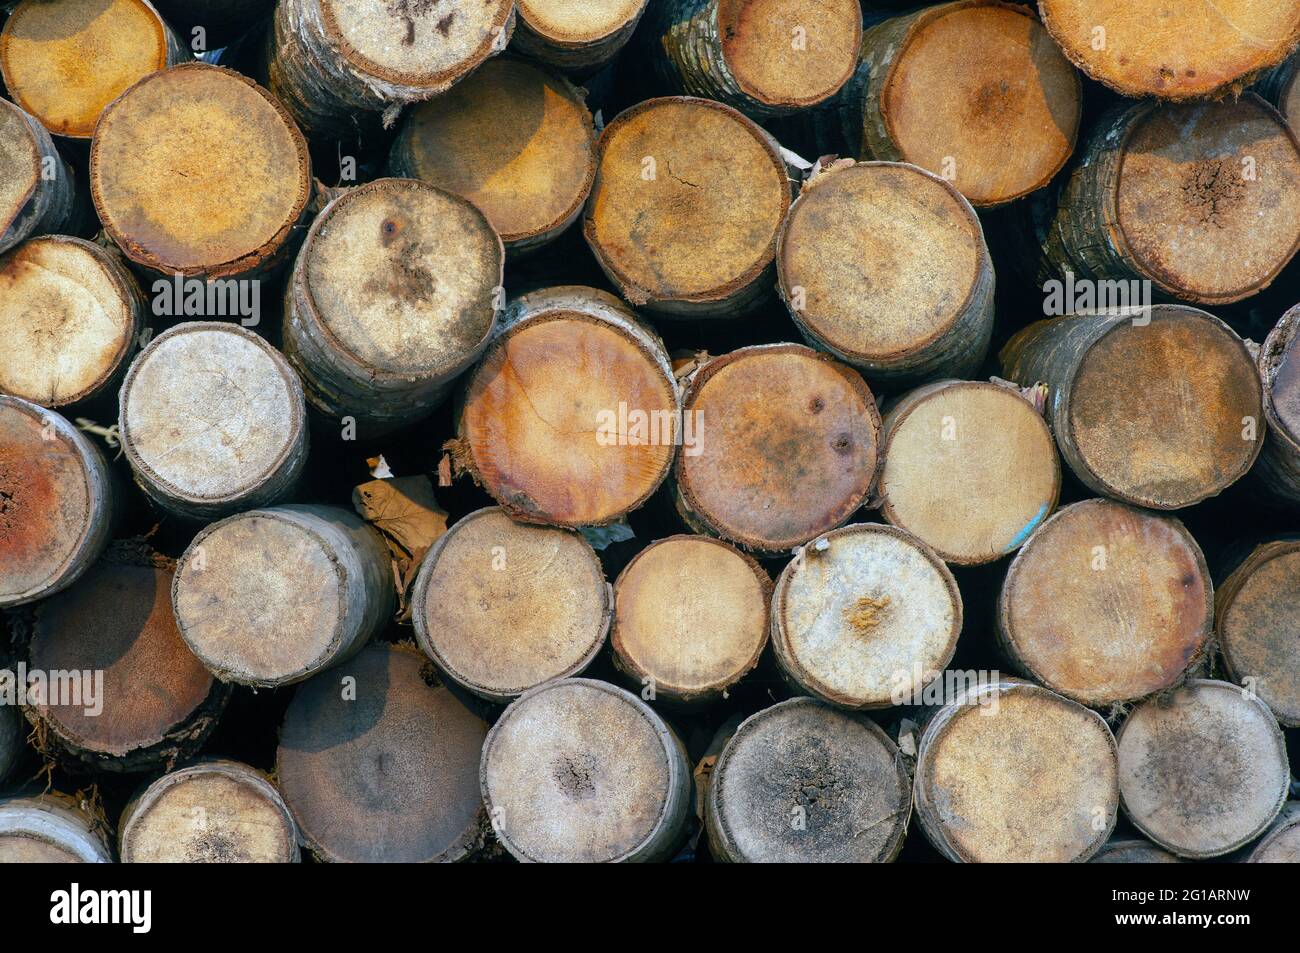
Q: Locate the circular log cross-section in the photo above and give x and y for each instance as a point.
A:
(572, 417)
(579, 771)
(270, 597)
(884, 265)
(690, 618)
(1278, 469)
(377, 766)
(864, 617)
(1132, 852)
(1173, 50)
(37, 195)
(688, 201)
(959, 87)
(1161, 411)
(136, 697)
(1281, 845)
(764, 57)
(1257, 615)
(213, 421)
(1010, 772)
(969, 467)
(1199, 199)
(55, 502)
(393, 294)
(576, 35)
(514, 139)
(1204, 771)
(331, 59)
(65, 62)
(785, 449)
(1106, 603)
(501, 606)
(196, 170)
(801, 782)
(214, 812)
(72, 315)
(49, 830)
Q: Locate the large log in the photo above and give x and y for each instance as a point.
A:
(959, 87)
(1161, 410)
(1011, 772)
(765, 57)
(1278, 469)
(501, 607)
(969, 467)
(688, 201)
(56, 502)
(579, 36)
(884, 265)
(1197, 199)
(514, 139)
(73, 314)
(1106, 603)
(864, 617)
(393, 294)
(213, 421)
(801, 782)
(330, 60)
(572, 417)
(214, 812)
(135, 697)
(197, 170)
(579, 771)
(785, 449)
(1173, 50)
(37, 192)
(49, 829)
(269, 597)
(1203, 771)
(64, 62)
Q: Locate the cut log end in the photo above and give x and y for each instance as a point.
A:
(20, 158)
(1107, 604)
(578, 22)
(49, 830)
(1204, 771)
(502, 607)
(1281, 845)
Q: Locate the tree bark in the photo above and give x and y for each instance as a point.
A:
(578, 37)
(37, 192)
(49, 829)
(1278, 469)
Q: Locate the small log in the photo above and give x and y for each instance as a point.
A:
(690, 618)
(1203, 771)
(688, 201)
(1278, 469)
(377, 766)
(49, 829)
(11, 740)
(214, 812)
(801, 782)
(1133, 852)
(1011, 772)
(1257, 614)
(271, 596)
(969, 467)
(579, 771)
(37, 193)
(1281, 87)
(328, 60)
(501, 607)
(865, 617)
(197, 170)
(64, 62)
(572, 417)
(513, 138)
(56, 502)
(785, 447)
(1160, 412)
(578, 36)
(1281, 845)
(1197, 199)
(234, 408)
(392, 296)
(959, 87)
(156, 703)
(764, 57)
(1107, 604)
(73, 314)
(884, 265)
(1174, 51)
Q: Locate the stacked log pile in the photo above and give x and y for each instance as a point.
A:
(729, 431)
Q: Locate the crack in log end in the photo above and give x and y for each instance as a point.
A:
(574, 774)
(28, 499)
(1213, 187)
(214, 847)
